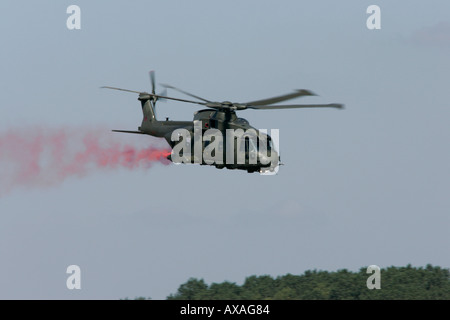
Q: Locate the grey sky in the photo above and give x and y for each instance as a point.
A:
(367, 185)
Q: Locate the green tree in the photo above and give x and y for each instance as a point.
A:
(193, 289)
(258, 288)
(406, 283)
(224, 291)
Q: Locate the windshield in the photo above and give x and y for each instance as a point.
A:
(247, 144)
(265, 142)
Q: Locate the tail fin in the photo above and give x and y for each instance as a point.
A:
(148, 107)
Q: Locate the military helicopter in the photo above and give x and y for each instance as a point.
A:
(203, 138)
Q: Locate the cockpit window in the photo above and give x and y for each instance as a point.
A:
(265, 142)
(247, 144)
(252, 145)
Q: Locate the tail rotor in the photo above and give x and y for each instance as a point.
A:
(156, 97)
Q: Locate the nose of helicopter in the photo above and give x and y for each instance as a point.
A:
(274, 161)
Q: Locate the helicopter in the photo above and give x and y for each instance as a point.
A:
(216, 136)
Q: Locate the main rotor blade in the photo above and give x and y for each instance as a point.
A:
(285, 97)
(155, 95)
(114, 88)
(292, 106)
(184, 92)
(176, 99)
(152, 80)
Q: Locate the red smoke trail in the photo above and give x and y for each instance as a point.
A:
(42, 157)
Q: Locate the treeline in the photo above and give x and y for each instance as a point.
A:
(405, 283)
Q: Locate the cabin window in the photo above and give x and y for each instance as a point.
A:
(247, 144)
